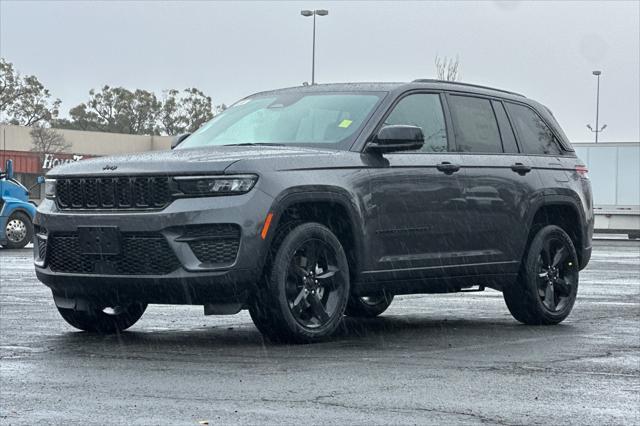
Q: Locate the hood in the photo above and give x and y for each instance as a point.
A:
(209, 160)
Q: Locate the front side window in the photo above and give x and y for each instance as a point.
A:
(425, 111)
(474, 124)
(534, 135)
(329, 119)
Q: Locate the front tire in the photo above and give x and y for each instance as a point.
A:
(18, 231)
(305, 288)
(104, 320)
(547, 284)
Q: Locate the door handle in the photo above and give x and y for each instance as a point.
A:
(521, 169)
(448, 168)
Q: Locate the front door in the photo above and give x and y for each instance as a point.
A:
(416, 196)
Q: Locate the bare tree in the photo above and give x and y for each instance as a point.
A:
(46, 140)
(447, 68)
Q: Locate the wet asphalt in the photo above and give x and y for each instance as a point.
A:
(430, 359)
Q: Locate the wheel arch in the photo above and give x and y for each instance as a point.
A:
(10, 207)
(565, 212)
(332, 206)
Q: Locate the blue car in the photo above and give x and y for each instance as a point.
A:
(16, 212)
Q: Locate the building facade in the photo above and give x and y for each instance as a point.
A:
(16, 143)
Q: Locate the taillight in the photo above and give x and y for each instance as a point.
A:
(583, 171)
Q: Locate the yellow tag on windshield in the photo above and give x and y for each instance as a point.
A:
(345, 123)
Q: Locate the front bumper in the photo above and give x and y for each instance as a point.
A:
(192, 281)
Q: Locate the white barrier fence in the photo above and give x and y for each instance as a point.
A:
(614, 169)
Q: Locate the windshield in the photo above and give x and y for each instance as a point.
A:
(330, 119)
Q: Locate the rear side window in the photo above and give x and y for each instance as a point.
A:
(508, 138)
(474, 124)
(534, 135)
(423, 110)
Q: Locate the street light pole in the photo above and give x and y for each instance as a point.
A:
(597, 129)
(313, 53)
(307, 13)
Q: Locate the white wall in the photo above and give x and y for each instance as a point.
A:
(17, 138)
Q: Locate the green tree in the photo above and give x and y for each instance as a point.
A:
(119, 110)
(115, 110)
(80, 118)
(186, 111)
(24, 100)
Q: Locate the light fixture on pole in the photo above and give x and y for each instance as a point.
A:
(598, 129)
(307, 13)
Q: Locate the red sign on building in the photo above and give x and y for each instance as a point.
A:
(37, 162)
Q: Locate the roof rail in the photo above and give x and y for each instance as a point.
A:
(433, 80)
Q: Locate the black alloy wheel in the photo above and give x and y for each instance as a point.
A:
(314, 286)
(547, 285)
(306, 286)
(557, 275)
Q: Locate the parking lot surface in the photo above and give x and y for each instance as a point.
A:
(430, 359)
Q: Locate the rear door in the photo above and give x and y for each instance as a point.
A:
(415, 195)
(499, 183)
(539, 143)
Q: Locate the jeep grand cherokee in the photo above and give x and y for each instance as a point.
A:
(309, 203)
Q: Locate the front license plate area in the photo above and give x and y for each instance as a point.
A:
(102, 240)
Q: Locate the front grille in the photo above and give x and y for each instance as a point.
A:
(137, 192)
(213, 244)
(142, 254)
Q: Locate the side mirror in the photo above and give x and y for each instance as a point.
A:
(39, 181)
(8, 169)
(177, 140)
(397, 138)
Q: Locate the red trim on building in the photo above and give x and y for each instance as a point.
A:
(32, 162)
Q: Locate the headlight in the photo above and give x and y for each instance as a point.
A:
(50, 188)
(216, 185)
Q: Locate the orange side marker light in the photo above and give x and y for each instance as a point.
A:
(267, 224)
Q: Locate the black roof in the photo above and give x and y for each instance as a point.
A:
(458, 83)
(387, 87)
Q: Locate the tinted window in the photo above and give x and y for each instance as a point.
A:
(424, 111)
(534, 135)
(508, 138)
(474, 124)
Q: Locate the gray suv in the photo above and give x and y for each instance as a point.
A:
(310, 203)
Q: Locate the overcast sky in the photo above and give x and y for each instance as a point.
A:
(544, 50)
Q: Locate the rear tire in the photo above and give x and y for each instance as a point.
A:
(18, 231)
(547, 284)
(368, 306)
(305, 288)
(104, 320)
